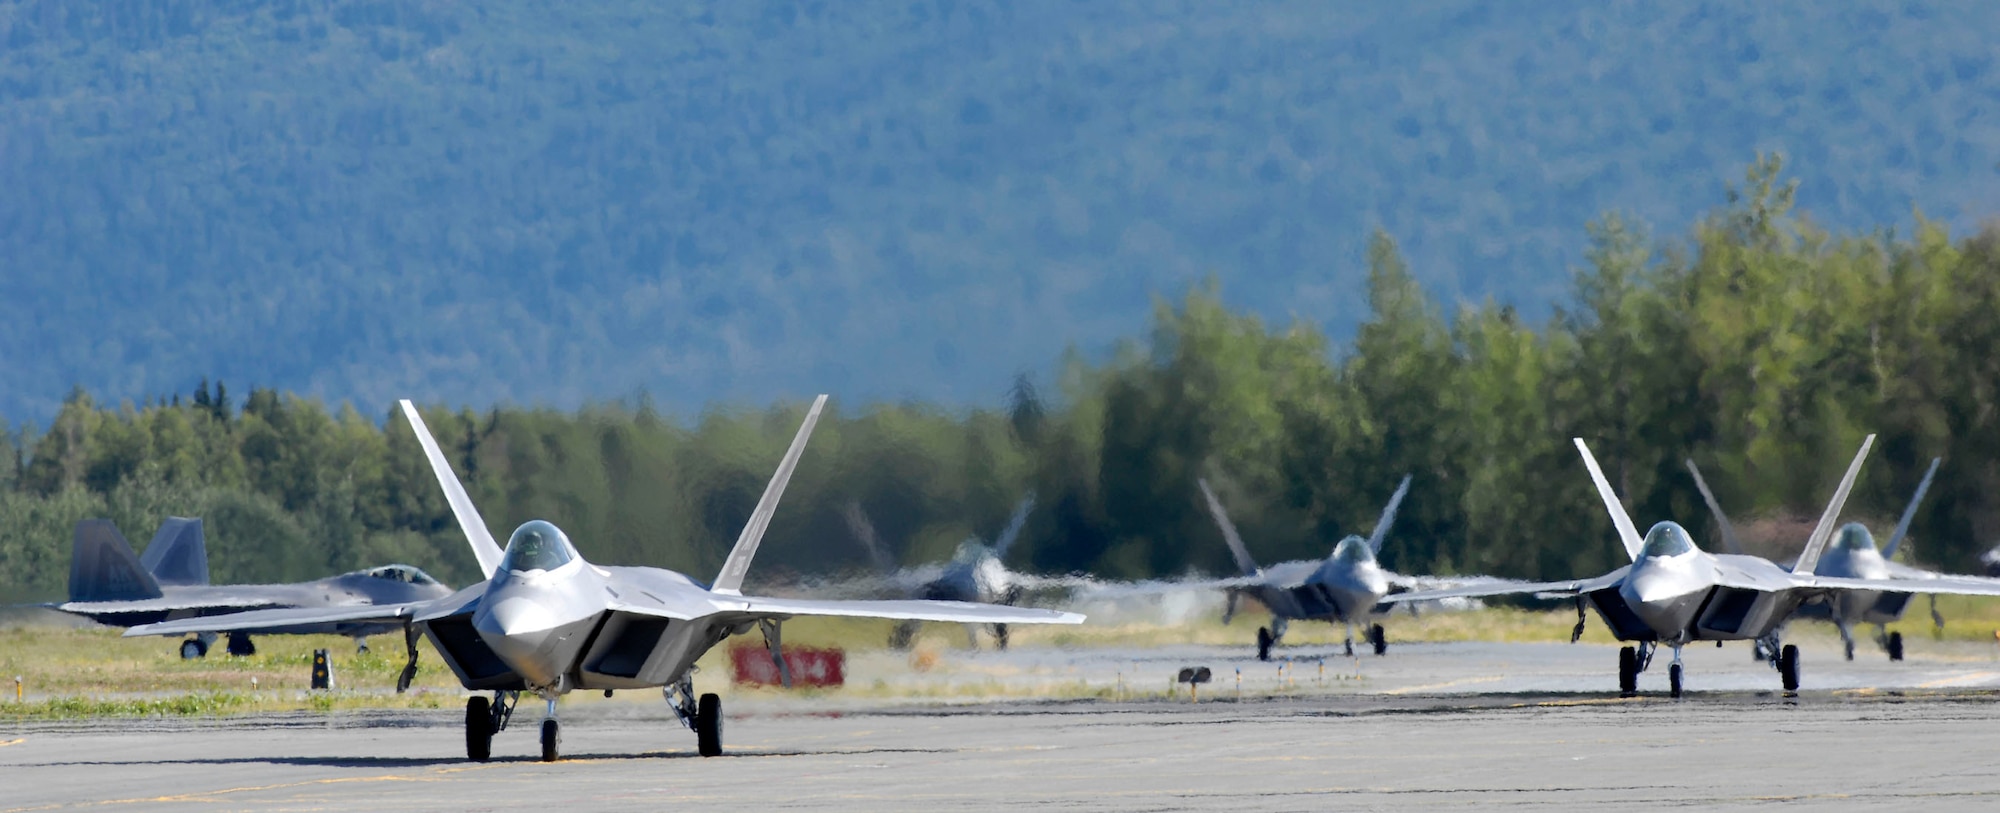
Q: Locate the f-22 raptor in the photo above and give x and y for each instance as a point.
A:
(549, 623)
(109, 585)
(1674, 593)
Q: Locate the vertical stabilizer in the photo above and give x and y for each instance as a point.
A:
(1809, 558)
(1388, 517)
(483, 547)
(102, 566)
(1619, 519)
(730, 580)
(1729, 543)
(1229, 536)
(177, 555)
(1910, 512)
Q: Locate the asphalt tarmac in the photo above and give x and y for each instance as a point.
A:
(1427, 727)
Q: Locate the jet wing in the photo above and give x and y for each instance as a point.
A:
(950, 611)
(171, 603)
(1510, 588)
(1946, 585)
(284, 618)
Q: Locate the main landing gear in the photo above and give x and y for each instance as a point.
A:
(240, 645)
(1268, 637)
(484, 718)
(1634, 659)
(703, 716)
(1378, 639)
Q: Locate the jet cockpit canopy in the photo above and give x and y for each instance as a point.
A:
(1854, 536)
(537, 545)
(400, 573)
(1666, 539)
(1353, 549)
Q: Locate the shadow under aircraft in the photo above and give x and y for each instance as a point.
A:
(110, 585)
(1674, 593)
(548, 623)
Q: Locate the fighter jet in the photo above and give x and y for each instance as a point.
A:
(1674, 593)
(1346, 587)
(111, 586)
(549, 623)
(1851, 554)
(976, 572)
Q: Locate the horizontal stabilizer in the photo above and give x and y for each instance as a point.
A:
(912, 610)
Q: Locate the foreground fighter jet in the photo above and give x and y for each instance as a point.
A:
(109, 585)
(547, 622)
(1345, 587)
(1851, 554)
(1674, 593)
(977, 572)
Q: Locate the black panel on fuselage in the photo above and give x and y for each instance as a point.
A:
(1625, 625)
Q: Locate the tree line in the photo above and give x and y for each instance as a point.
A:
(1759, 344)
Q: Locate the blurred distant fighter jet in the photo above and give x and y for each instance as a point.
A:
(109, 585)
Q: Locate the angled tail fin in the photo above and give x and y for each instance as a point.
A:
(1014, 525)
(177, 555)
(1729, 543)
(462, 508)
(102, 566)
(730, 580)
(1809, 558)
(863, 530)
(1910, 512)
(1235, 542)
(1388, 517)
(1619, 519)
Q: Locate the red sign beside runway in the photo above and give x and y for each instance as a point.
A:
(811, 666)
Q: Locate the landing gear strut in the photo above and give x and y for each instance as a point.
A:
(1674, 675)
(409, 669)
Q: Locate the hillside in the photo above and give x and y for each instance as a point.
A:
(545, 203)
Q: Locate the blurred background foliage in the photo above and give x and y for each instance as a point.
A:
(1758, 343)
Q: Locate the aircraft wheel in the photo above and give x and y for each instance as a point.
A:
(1895, 646)
(1264, 642)
(551, 738)
(708, 726)
(240, 645)
(1628, 671)
(1674, 680)
(1379, 638)
(1788, 667)
(1000, 636)
(1850, 649)
(193, 648)
(478, 729)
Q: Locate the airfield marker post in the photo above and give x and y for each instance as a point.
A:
(1239, 683)
(17, 688)
(322, 671)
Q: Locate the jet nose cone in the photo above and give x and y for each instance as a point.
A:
(513, 616)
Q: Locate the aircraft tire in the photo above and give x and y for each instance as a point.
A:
(240, 645)
(193, 648)
(1264, 642)
(551, 740)
(901, 637)
(1788, 667)
(1895, 646)
(1674, 681)
(708, 726)
(1379, 638)
(1628, 671)
(478, 729)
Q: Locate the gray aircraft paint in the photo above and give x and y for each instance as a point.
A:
(109, 585)
(575, 625)
(1674, 593)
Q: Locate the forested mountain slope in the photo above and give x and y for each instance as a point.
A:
(544, 203)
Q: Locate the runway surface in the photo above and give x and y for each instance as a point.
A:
(1428, 727)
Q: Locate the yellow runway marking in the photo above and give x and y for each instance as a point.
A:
(1961, 680)
(1445, 685)
(14, 741)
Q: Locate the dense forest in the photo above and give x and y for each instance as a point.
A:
(548, 204)
(1758, 343)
